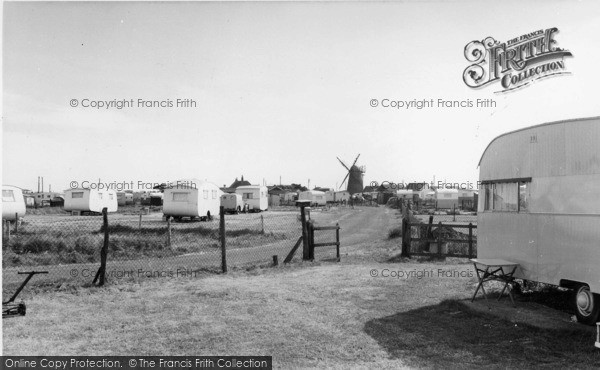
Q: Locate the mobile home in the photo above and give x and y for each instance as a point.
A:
(317, 198)
(90, 200)
(13, 203)
(332, 196)
(124, 198)
(538, 206)
(29, 200)
(255, 196)
(200, 199)
(232, 202)
(446, 198)
(341, 196)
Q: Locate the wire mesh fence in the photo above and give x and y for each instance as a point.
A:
(141, 245)
(256, 238)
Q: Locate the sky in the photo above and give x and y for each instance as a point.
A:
(280, 89)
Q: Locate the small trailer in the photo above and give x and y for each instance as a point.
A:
(446, 198)
(332, 196)
(538, 206)
(124, 198)
(193, 199)
(82, 201)
(232, 203)
(341, 196)
(13, 203)
(255, 196)
(316, 198)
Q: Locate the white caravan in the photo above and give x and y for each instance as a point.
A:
(13, 203)
(317, 198)
(232, 203)
(90, 200)
(539, 207)
(192, 198)
(255, 196)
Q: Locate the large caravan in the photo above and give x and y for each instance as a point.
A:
(13, 203)
(539, 207)
(232, 203)
(90, 200)
(193, 199)
(317, 198)
(256, 197)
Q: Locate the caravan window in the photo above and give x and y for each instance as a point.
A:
(524, 190)
(205, 192)
(8, 196)
(180, 197)
(214, 194)
(247, 196)
(77, 194)
(506, 196)
(99, 195)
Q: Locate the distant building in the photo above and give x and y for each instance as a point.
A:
(237, 183)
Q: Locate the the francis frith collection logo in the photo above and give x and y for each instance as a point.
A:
(516, 62)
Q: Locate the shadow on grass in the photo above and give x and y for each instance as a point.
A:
(453, 335)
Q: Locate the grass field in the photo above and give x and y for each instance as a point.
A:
(65, 239)
(309, 314)
(69, 246)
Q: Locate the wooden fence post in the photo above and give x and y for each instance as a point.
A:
(439, 239)
(101, 274)
(305, 245)
(222, 235)
(311, 240)
(16, 222)
(337, 240)
(169, 231)
(140, 225)
(454, 212)
(405, 238)
(262, 223)
(470, 240)
(428, 234)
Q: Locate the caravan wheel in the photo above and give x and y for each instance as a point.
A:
(587, 305)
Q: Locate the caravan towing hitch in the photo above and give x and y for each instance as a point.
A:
(9, 308)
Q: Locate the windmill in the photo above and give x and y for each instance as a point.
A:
(354, 176)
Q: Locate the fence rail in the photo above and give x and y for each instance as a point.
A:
(447, 241)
